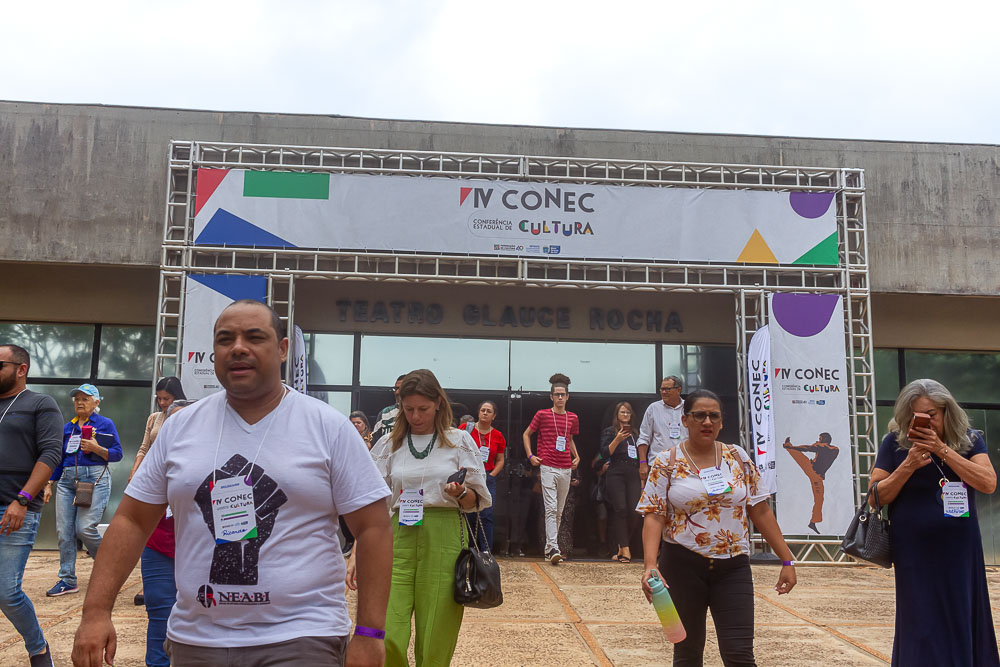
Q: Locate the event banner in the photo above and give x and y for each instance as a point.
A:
(809, 398)
(361, 212)
(300, 368)
(761, 422)
(205, 297)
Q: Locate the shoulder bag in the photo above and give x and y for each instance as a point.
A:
(867, 537)
(477, 573)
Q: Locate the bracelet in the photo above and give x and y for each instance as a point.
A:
(26, 495)
(643, 461)
(462, 494)
(788, 563)
(362, 631)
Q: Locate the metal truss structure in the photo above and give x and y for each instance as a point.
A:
(750, 284)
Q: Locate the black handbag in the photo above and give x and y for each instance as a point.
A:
(477, 573)
(867, 537)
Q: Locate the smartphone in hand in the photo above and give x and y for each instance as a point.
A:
(458, 477)
(920, 420)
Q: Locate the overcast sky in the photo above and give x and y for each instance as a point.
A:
(873, 70)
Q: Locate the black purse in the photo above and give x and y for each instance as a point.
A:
(867, 537)
(477, 573)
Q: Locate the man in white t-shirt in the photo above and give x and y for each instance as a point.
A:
(256, 477)
(661, 426)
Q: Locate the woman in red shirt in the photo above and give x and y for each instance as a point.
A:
(491, 445)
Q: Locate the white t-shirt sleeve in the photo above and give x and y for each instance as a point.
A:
(355, 480)
(149, 485)
(472, 461)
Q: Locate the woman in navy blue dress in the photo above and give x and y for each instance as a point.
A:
(943, 612)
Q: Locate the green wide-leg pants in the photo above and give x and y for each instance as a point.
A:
(423, 587)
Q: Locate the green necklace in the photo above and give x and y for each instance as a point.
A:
(423, 454)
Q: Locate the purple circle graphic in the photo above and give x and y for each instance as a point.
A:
(810, 204)
(803, 315)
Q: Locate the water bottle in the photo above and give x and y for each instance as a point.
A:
(666, 611)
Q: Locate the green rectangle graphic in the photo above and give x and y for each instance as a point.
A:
(286, 184)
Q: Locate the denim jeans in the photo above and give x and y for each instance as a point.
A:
(73, 521)
(160, 592)
(486, 516)
(14, 551)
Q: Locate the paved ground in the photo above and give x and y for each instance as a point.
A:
(575, 614)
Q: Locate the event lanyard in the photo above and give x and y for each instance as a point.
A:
(718, 457)
(12, 403)
(944, 478)
(555, 424)
(488, 436)
(222, 425)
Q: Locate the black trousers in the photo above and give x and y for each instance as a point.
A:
(724, 585)
(621, 483)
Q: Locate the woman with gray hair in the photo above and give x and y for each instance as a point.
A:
(927, 475)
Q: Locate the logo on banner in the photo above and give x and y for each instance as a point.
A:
(567, 201)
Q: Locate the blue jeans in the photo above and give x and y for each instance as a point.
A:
(73, 521)
(14, 551)
(160, 592)
(486, 535)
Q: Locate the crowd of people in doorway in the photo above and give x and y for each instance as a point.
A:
(342, 503)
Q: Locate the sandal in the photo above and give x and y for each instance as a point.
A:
(615, 559)
(624, 559)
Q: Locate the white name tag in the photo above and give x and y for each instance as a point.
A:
(560, 443)
(714, 480)
(170, 512)
(674, 431)
(955, 497)
(411, 507)
(233, 510)
(73, 444)
(633, 451)
(484, 451)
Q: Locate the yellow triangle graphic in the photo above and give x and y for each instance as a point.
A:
(756, 251)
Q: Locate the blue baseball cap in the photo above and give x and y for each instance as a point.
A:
(88, 389)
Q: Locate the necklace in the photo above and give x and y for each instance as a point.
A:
(413, 450)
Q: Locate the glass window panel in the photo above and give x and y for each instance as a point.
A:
(128, 408)
(341, 400)
(331, 358)
(886, 374)
(126, 353)
(458, 363)
(970, 376)
(595, 367)
(57, 350)
(710, 367)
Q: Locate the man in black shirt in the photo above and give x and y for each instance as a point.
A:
(815, 469)
(31, 429)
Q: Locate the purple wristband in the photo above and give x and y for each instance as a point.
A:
(26, 495)
(362, 631)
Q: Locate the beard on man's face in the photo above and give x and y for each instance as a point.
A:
(7, 383)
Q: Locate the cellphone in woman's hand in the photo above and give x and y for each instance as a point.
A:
(457, 477)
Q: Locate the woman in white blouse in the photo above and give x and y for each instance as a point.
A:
(699, 497)
(416, 458)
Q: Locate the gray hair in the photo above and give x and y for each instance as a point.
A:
(956, 421)
(676, 380)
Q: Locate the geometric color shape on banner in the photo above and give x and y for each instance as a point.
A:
(756, 251)
(823, 253)
(234, 287)
(286, 185)
(803, 315)
(227, 229)
(810, 204)
(207, 181)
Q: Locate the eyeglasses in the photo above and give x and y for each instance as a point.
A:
(559, 395)
(668, 388)
(12, 363)
(700, 416)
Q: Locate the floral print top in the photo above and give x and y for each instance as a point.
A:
(713, 526)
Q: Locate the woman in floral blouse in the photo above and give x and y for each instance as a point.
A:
(699, 497)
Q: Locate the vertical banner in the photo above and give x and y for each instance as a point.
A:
(300, 377)
(759, 382)
(810, 414)
(205, 297)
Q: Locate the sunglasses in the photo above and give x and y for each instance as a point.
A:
(701, 415)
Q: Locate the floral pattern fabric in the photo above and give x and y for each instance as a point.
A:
(713, 526)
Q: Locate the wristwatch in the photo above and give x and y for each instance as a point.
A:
(23, 499)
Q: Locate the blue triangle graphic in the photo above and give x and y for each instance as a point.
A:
(227, 229)
(235, 287)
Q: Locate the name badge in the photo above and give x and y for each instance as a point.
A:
(484, 451)
(633, 451)
(233, 510)
(560, 443)
(675, 431)
(73, 444)
(955, 497)
(170, 513)
(714, 480)
(411, 507)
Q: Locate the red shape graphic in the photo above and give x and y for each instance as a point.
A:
(464, 194)
(207, 181)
